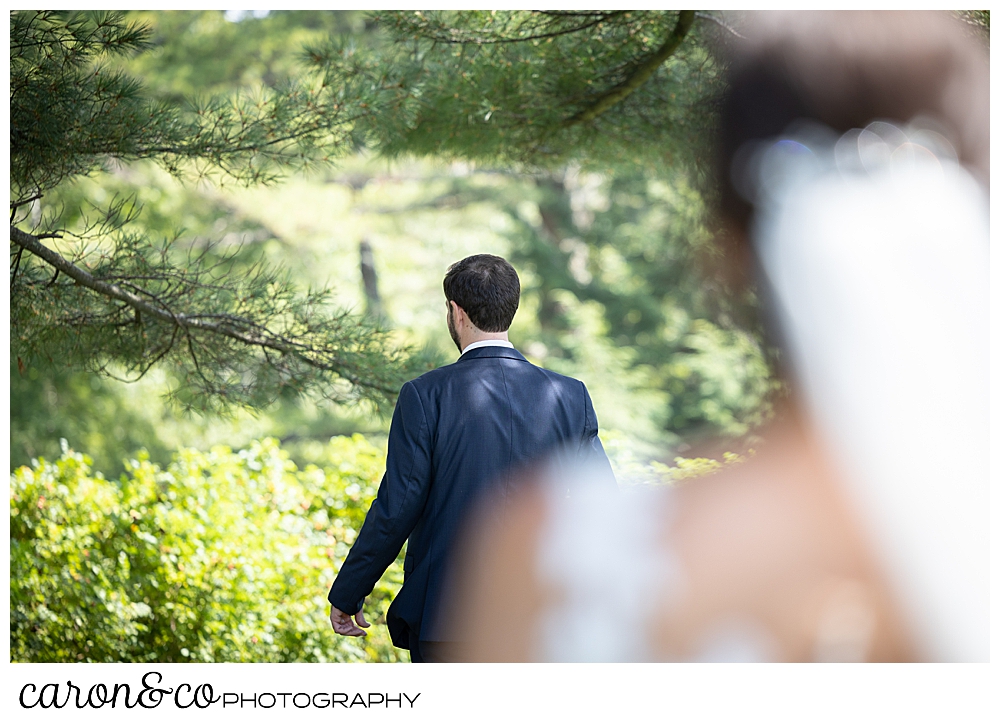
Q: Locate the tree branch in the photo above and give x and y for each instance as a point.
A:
(724, 26)
(641, 74)
(469, 40)
(15, 267)
(252, 334)
(18, 204)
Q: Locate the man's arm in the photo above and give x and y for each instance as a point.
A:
(394, 512)
(592, 450)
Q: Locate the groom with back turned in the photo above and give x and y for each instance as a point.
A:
(457, 432)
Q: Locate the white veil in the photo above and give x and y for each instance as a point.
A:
(875, 249)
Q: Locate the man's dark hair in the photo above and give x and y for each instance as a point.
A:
(487, 288)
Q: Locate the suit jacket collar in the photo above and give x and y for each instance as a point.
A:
(492, 352)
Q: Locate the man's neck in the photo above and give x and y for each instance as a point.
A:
(487, 341)
(483, 336)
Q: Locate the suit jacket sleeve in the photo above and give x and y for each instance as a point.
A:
(592, 449)
(395, 510)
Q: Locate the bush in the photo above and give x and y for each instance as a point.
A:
(223, 556)
(633, 469)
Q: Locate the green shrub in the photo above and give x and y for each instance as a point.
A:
(633, 468)
(223, 556)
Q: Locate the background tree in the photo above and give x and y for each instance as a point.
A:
(669, 332)
(630, 95)
(603, 88)
(605, 218)
(204, 52)
(88, 291)
(542, 87)
(978, 22)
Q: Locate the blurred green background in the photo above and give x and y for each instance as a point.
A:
(615, 293)
(612, 289)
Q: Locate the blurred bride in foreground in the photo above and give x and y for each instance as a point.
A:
(853, 159)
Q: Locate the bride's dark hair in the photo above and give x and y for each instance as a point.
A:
(847, 69)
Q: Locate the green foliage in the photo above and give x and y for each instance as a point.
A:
(633, 471)
(106, 293)
(113, 420)
(223, 556)
(978, 22)
(250, 337)
(634, 244)
(197, 52)
(71, 110)
(695, 467)
(68, 109)
(84, 409)
(536, 86)
(718, 382)
(644, 331)
(521, 88)
(615, 291)
(220, 557)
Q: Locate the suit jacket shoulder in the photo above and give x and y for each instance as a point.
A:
(458, 432)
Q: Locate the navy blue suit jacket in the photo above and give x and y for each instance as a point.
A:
(456, 433)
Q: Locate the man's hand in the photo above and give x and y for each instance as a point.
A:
(343, 625)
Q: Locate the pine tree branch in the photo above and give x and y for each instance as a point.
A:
(595, 19)
(17, 204)
(730, 29)
(641, 74)
(15, 266)
(240, 329)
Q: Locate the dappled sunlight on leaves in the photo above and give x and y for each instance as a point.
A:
(222, 556)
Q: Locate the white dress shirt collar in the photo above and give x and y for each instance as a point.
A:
(487, 342)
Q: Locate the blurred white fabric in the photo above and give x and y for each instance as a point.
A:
(600, 552)
(876, 252)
